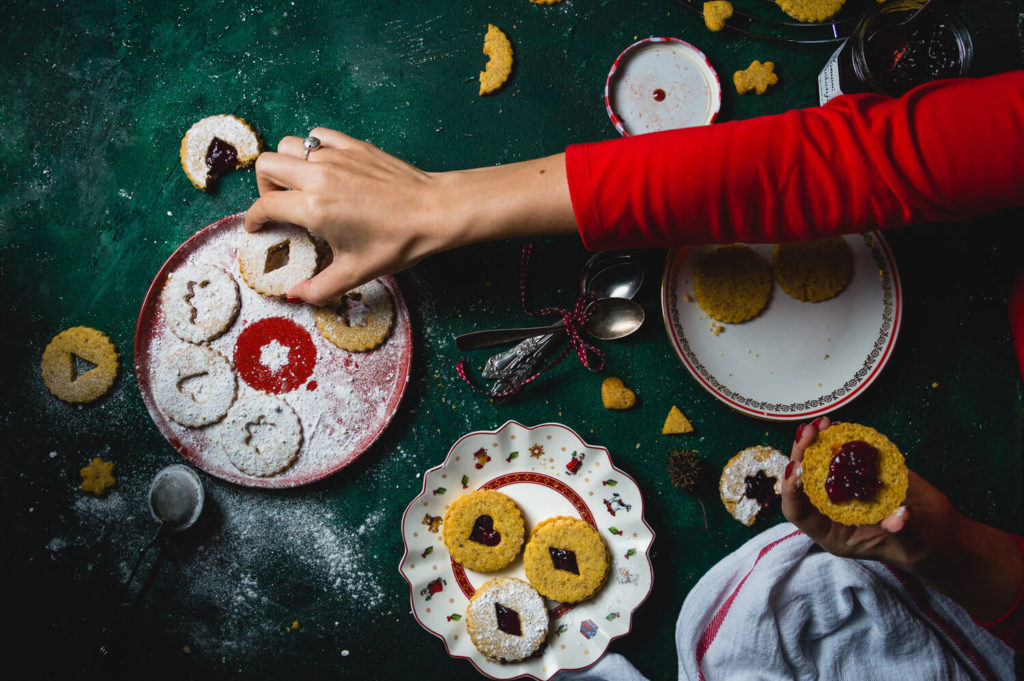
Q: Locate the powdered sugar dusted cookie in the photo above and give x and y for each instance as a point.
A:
(194, 386)
(751, 480)
(200, 302)
(216, 145)
(276, 258)
(507, 620)
(262, 435)
(360, 320)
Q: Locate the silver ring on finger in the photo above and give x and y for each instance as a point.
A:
(311, 144)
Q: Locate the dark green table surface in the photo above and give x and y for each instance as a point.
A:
(95, 99)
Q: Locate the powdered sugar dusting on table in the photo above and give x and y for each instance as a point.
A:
(343, 407)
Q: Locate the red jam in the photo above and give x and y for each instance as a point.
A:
(484, 532)
(248, 355)
(508, 620)
(853, 473)
(564, 560)
(221, 157)
(760, 487)
(659, 95)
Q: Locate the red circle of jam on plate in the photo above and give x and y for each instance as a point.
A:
(658, 95)
(249, 355)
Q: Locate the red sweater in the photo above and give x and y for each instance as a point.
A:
(944, 151)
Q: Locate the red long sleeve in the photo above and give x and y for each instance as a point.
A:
(944, 151)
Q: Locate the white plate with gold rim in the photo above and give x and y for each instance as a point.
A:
(795, 360)
(548, 470)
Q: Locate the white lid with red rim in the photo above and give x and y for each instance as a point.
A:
(661, 84)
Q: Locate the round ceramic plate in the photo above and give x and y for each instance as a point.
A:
(795, 360)
(344, 403)
(661, 84)
(548, 470)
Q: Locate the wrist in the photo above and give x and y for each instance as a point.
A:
(526, 199)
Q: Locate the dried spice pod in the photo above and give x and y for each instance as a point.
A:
(684, 470)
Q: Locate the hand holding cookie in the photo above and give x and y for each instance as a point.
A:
(911, 532)
(381, 215)
(978, 566)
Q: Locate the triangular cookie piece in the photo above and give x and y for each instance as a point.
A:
(676, 423)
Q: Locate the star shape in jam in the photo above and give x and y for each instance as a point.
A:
(97, 476)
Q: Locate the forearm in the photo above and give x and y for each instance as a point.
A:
(526, 199)
(863, 162)
(980, 567)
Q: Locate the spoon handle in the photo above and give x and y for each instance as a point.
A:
(510, 368)
(474, 340)
(142, 554)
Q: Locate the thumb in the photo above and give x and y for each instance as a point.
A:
(325, 286)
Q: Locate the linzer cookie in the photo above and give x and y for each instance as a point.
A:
(566, 559)
(854, 474)
(359, 320)
(751, 481)
(262, 435)
(200, 302)
(194, 386)
(215, 146)
(732, 283)
(60, 373)
(507, 620)
(483, 530)
(276, 258)
(813, 271)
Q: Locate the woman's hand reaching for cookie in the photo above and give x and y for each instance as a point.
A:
(381, 215)
(976, 565)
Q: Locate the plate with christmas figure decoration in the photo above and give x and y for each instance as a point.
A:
(548, 470)
(305, 405)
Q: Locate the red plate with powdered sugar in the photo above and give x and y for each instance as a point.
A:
(344, 400)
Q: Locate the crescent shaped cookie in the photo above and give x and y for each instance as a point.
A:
(58, 365)
(827, 477)
(499, 66)
(200, 302)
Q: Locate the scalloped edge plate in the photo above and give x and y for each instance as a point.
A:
(549, 470)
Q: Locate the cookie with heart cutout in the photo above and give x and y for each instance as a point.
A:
(483, 530)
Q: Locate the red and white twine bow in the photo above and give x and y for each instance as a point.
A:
(573, 320)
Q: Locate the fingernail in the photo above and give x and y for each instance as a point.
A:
(293, 301)
(818, 422)
(789, 466)
(799, 434)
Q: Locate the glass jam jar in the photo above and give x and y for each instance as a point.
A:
(885, 55)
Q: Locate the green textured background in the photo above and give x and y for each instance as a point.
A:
(96, 97)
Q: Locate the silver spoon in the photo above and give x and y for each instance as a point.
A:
(509, 368)
(620, 277)
(176, 498)
(610, 319)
